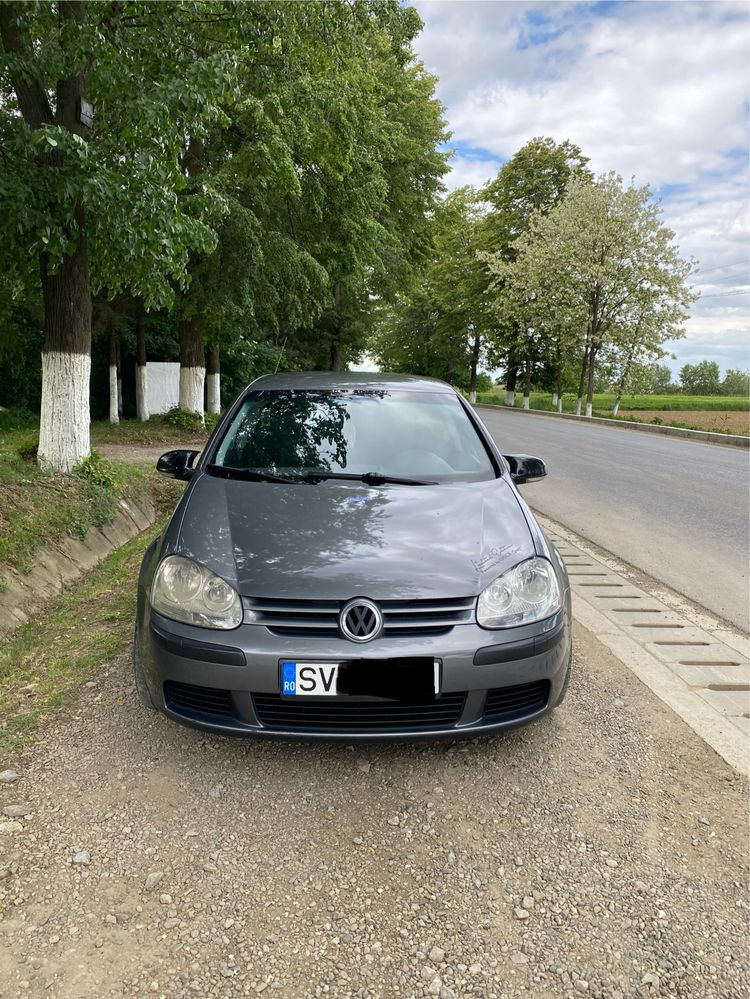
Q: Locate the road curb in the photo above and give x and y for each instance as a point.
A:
(703, 678)
(701, 436)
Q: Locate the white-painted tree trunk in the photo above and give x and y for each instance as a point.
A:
(554, 398)
(578, 406)
(510, 397)
(559, 405)
(213, 392)
(64, 418)
(473, 396)
(191, 390)
(616, 408)
(114, 395)
(525, 402)
(141, 399)
(588, 409)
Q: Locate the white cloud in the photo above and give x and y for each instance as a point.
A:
(658, 91)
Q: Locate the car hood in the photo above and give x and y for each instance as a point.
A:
(334, 540)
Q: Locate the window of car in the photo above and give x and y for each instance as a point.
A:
(392, 433)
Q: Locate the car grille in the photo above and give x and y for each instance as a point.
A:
(198, 702)
(297, 715)
(518, 701)
(320, 618)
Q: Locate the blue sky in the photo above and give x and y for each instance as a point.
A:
(657, 91)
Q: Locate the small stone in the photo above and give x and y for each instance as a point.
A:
(169, 924)
(393, 820)
(261, 986)
(55, 938)
(517, 957)
(10, 827)
(437, 955)
(215, 791)
(165, 899)
(153, 879)
(111, 918)
(82, 857)
(15, 811)
(428, 972)
(8, 776)
(435, 986)
(581, 984)
(475, 969)
(363, 766)
(446, 993)
(528, 902)
(650, 979)
(619, 703)
(358, 840)
(518, 861)
(226, 971)
(610, 862)
(520, 913)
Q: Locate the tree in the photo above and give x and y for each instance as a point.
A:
(600, 261)
(533, 180)
(92, 202)
(700, 379)
(735, 382)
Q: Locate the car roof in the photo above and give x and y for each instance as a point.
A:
(330, 380)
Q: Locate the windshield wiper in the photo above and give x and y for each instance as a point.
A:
(249, 475)
(369, 478)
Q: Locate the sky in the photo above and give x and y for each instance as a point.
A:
(658, 92)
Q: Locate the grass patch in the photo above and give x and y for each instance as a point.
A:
(37, 509)
(45, 663)
(166, 429)
(604, 401)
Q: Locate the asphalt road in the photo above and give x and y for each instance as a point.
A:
(676, 509)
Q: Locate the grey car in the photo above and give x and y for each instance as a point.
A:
(351, 559)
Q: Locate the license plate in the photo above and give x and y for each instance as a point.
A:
(309, 679)
(392, 678)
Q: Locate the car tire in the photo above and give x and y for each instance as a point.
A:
(566, 681)
(139, 677)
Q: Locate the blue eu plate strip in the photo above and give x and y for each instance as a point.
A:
(288, 679)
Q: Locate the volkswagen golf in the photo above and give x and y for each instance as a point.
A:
(351, 559)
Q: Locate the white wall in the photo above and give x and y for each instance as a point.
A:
(163, 386)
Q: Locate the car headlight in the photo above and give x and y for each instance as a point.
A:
(189, 592)
(526, 593)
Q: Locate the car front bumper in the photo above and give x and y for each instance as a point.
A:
(228, 682)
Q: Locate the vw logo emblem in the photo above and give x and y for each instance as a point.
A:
(361, 620)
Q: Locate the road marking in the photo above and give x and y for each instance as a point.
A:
(702, 673)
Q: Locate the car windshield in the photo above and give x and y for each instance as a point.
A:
(420, 435)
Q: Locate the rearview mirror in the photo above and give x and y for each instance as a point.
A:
(525, 468)
(178, 464)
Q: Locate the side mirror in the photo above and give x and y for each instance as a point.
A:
(178, 464)
(525, 468)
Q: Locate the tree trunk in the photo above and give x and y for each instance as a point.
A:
(66, 359)
(474, 365)
(616, 407)
(335, 360)
(114, 396)
(118, 371)
(192, 367)
(510, 380)
(213, 380)
(527, 367)
(582, 379)
(557, 394)
(590, 386)
(141, 397)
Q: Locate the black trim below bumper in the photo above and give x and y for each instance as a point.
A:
(205, 652)
(491, 655)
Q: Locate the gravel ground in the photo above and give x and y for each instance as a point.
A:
(600, 852)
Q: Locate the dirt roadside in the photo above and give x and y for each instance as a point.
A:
(601, 852)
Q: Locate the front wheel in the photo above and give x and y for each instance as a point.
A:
(139, 677)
